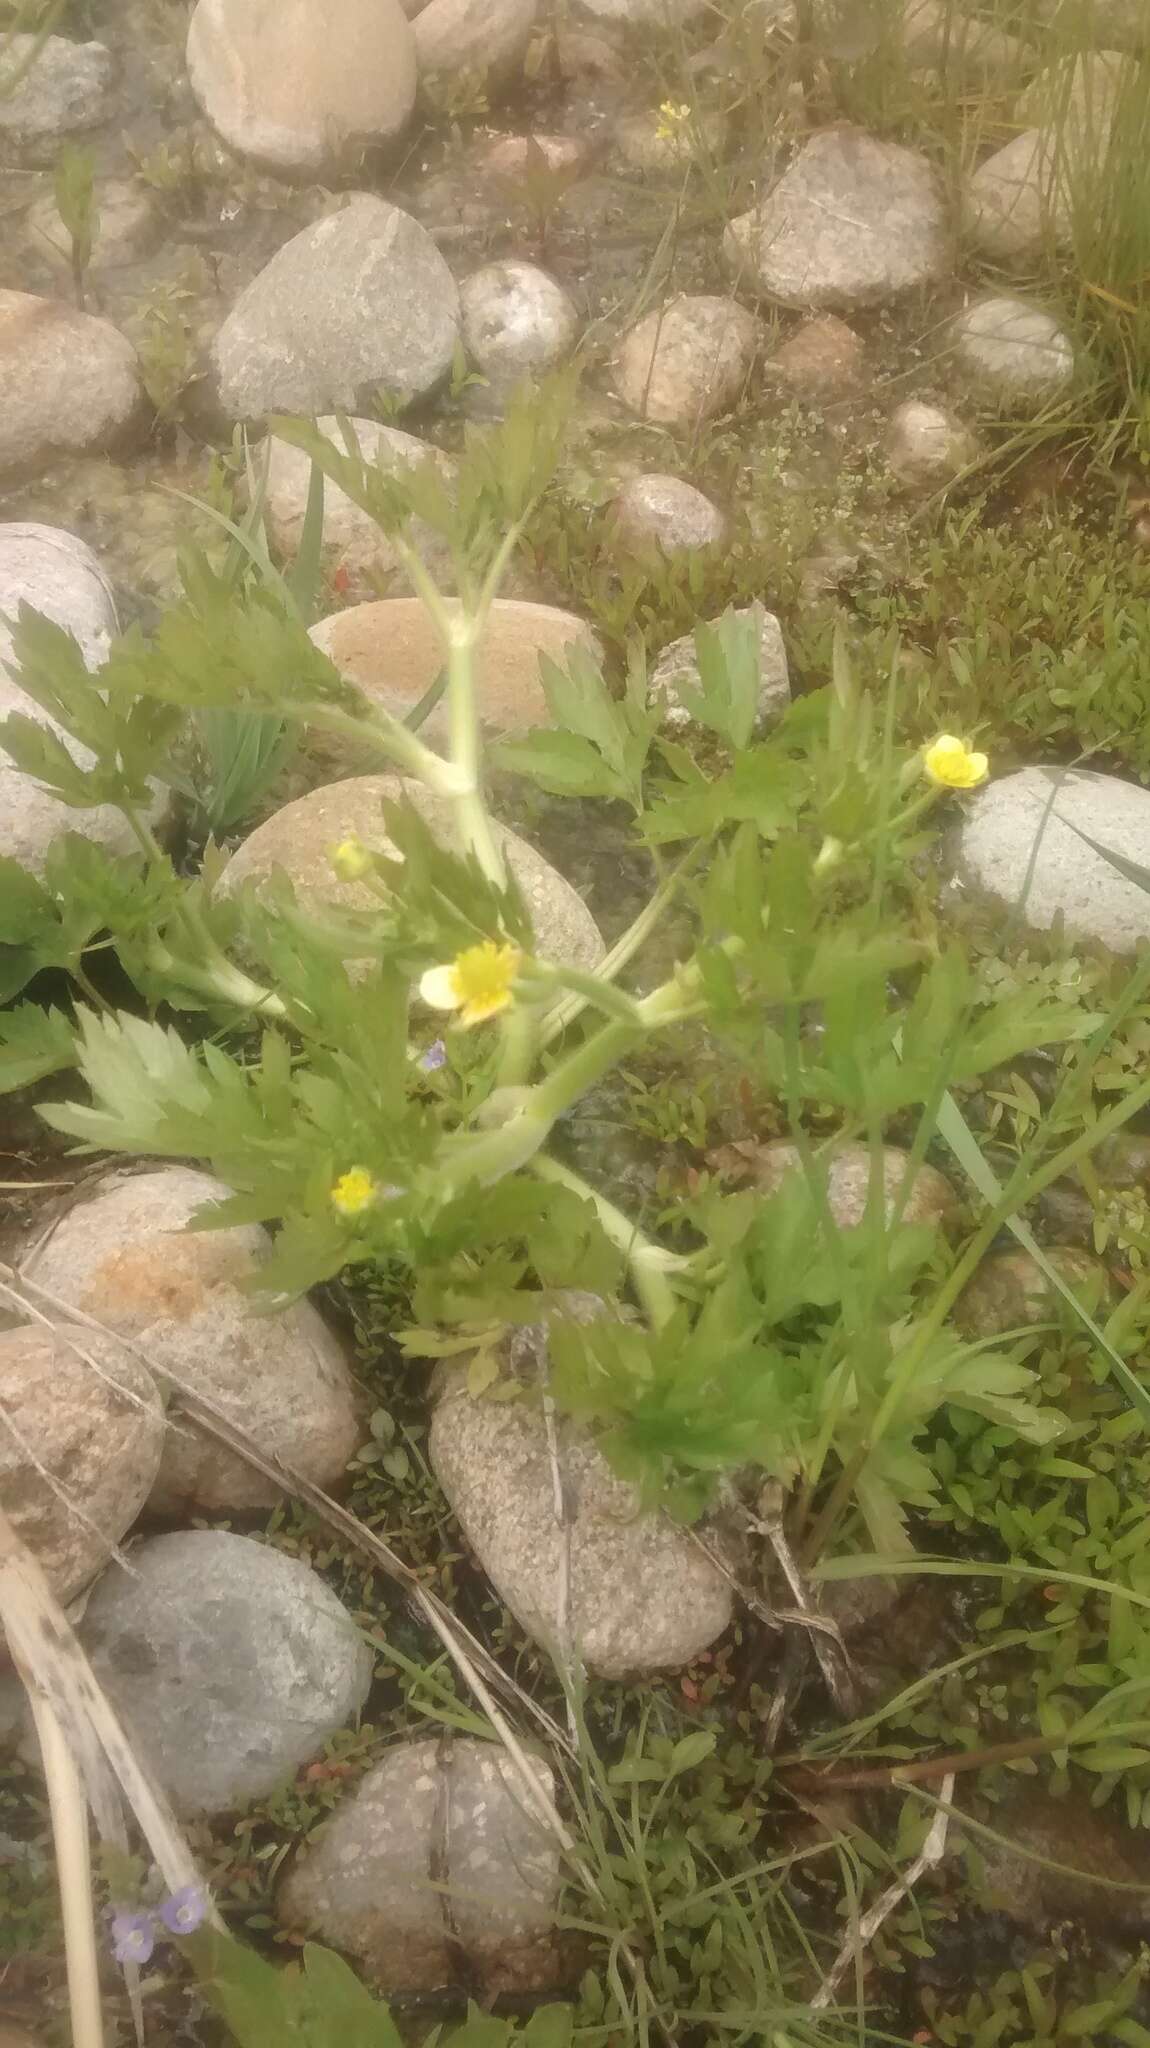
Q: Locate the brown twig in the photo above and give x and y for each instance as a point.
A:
(890, 1776)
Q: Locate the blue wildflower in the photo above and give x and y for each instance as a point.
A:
(184, 1911)
(133, 1937)
(434, 1058)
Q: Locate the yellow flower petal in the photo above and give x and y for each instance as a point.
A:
(438, 988)
(353, 1192)
(478, 1008)
(951, 764)
(478, 982)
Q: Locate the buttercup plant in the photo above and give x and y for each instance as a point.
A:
(767, 1335)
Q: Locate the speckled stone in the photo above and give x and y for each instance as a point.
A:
(1009, 1290)
(517, 322)
(81, 1432)
(1012, 351)
(123, 1255)
(393, 653)
(304, 86)
(687, 361)
(854, 221)
(1021, 833)
(71, 384)
(665, 513)
(436, 1862)
(485, 38)
(65, 87)
(678, 664)
(927, 447)
(356, 552)
(931, 1199)
(360, 303)
(300, 837)
(643, 1597)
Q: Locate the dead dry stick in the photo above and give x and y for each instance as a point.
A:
(69, 1812)
(826, 1638)
(932, 1852)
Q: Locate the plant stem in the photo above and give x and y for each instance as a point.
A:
(489, 1155)
(394, 739)
(564, 1012)
(650, 1263)
(475, 827)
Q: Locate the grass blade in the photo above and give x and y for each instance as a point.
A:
(303, 578)
(954, 1129)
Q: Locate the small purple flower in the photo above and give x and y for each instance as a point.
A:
(434, 1058)
(185, 1911)
(133, 1937)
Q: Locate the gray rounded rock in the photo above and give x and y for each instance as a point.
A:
(678, 664)
(436, 1860)
(71, 384)
(355, 548)
(854, 221)
(1014, 203)
(687, 361)
(299, 840)
(517, 322)
(358, 304)
(124, 1256)
(484, 38)
(642, 1597)
(1012, 350)
(304, 86)
(51, 87)
(81, 1432)
(656, 511)
(58, 576)
(1020, 845)
(927, 447)
(230, 1664)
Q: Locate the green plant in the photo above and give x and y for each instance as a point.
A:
(74, 186)
(821, 1354)
(1044, 2005)
(320, 2003)
(1035, 629)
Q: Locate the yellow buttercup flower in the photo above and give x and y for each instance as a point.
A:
(953, 765)
(353, 1192)
(672, 115)
(479, 982)
(351, 859)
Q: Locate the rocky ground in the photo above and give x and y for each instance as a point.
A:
(807, 303)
